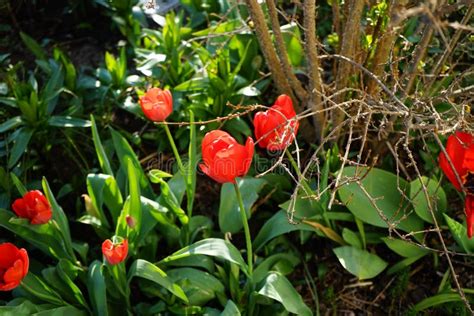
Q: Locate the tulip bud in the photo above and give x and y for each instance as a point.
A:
(14, 265)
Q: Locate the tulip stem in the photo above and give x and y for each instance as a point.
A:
(175, 150)
(245, 223)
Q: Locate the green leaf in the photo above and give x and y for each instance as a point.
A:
(191, 165)
(11, 123)
(360, 263)
(59, 216)
(103, 189)
(437, 300)
(97, 288)
(133, 207)
(460, 234)
(103, 160)
(58, 278)
(269, 263)
(276, 226)
(436, 195)
(404, 248)
(18, 184)
(67, 121)
(63, 310)
(19, 147)
(200, 287)
(382, 188)
(230, 309)
(172, 202)
(277, 287)
(45, 237)
(124, 153)
(33, 46)
(229, 210)
(40, 290)
(352, 238)
(149, 271)
(16, 308)
(156, 174)
(213, 247)
(403, 264)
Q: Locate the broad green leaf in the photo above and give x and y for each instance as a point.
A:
(97, 288)
(360, 263)
(103, 160)
(200, 287)
(63, 310)
(230, 309)
(133, 207)
(277, 287)
(460, 234)
(11, 123)
(229, 210)
(382, 189)
(404, 248)
(45, 237)
(437, 300)
(277, 225)
(67, 121)
(61, 282)
(40, 290)
(170, 200)
(124, 153)
(352, 238)
(213, 247)
(19, 146)
(144, 269)
(103, 189)
(59, 216)
(269, 263)
(436, 195)
(197, 261)
(21, 308)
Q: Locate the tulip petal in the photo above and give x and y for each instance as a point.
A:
(9, 253)
(14, 273)
(455, 151)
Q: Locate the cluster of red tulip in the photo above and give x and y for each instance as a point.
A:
(14, 262)
(224, 159)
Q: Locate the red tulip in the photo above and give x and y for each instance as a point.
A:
(157, 104)
(460, 149)
(115, 253)
(275, 129)
(224, 158)
(33, 206)
(13, 266)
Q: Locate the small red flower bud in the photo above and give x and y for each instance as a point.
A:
(131, 222)
(115, 253)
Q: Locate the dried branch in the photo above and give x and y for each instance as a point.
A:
(263, 36)
(385, 44)
(450, 48)
(315, 82)
(348, 45)
(295, 84)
